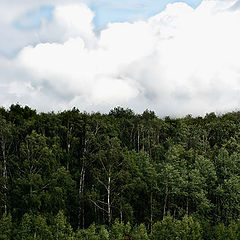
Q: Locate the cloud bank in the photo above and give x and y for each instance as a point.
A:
(180, 61)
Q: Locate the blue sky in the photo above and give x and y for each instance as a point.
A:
(33, 19)
(107, 11)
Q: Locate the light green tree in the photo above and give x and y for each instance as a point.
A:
(140, 233)
(6, 227)
(61, 229)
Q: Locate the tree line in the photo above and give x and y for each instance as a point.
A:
(75, 175)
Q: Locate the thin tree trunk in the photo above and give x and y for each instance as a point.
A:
(3, 145)
(138, 140)
(83, 217)
(108, 198)
(121, 214)
(165, 203)
(151, 210)
(103, 217)
(143, 141)
(121, 208)
(68, 145)
(68, 157)
(80, 190)
(131, 135)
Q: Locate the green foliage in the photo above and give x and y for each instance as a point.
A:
(221, 232)
(164, 229)
(67, 175)
(140, 233)
(34, 227)
(93, 233)
(61, 228)
(170, 228)
(188, 228)
(6, 227)
(103, 233)
(117, 231)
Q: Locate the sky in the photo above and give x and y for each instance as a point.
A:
(172, 57)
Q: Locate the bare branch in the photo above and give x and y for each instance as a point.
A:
(98, 205)
(103, 165)
(101, 182)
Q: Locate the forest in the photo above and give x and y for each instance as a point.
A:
(76, 175)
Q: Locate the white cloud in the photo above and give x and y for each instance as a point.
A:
(180, 61)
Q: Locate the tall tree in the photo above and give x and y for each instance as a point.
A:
(108, 163)
(6, 138)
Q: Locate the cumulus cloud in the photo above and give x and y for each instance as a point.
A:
(180, 61)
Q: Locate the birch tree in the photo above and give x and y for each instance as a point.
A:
(5, 144)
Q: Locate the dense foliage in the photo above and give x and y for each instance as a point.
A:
(75, 175)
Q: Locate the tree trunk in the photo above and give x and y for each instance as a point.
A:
(108, 198)
(68, 157)
(151, 210)
(138, 141)
(81, 188)
(143, 139)
(68, 145)
(80, 192)
(3, 145)
(121, 214)
(121, 208)
(165, 203)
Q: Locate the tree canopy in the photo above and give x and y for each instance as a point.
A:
(74, 175)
